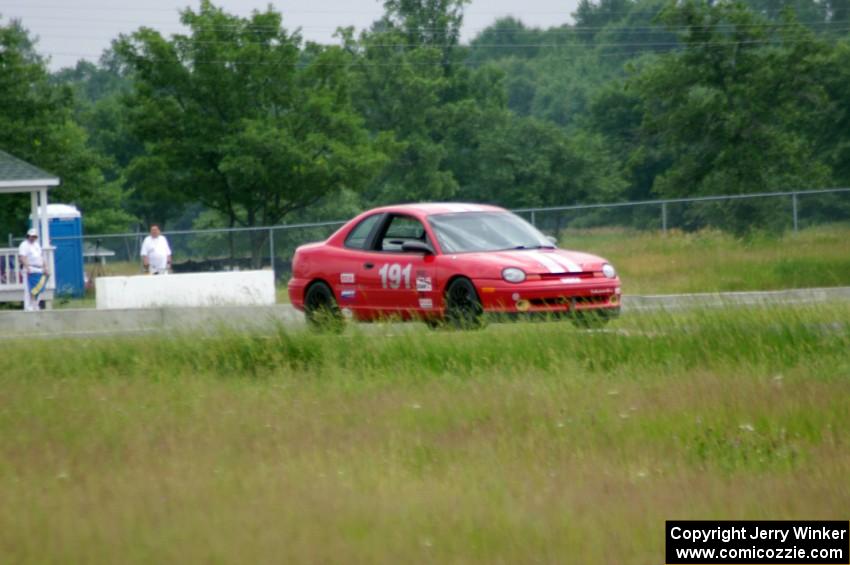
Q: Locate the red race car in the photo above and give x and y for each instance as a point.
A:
(447, 263)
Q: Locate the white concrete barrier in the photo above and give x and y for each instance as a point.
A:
(233, 288)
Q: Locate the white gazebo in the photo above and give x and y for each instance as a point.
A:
(17, 176)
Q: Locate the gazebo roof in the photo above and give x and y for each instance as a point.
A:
(19, 176)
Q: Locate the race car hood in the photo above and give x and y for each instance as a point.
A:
(533, 261)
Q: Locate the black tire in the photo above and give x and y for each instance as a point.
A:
(463, 307)
(321, 308)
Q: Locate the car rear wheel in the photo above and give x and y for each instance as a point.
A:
(463, 307)
(321, 309)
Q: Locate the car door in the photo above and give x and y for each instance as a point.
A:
(399, 282)
(352, 267)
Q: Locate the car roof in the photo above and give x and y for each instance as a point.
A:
(430, 208)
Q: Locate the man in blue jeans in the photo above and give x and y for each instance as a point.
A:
(34, 268)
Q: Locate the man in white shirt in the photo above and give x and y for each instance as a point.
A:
(34, 268)
(156, 253)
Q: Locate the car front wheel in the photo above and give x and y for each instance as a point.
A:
(463, 307)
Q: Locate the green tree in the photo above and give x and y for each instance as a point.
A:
(410, 86)
(37, 124)
(101, 90)
(730, 110)
(239, 116)
(526, 162)
(511, 38)
(595, 16)
(98, 89)
(431, 23)
(833, 132)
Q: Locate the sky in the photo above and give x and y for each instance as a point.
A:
(69, 30)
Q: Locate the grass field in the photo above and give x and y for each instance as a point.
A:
(714, 261)
(520, 443)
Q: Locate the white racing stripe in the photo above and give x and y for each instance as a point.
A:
(457, 208)
(546, 261)
(571, 266)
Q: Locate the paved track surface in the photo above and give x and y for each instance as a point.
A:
(92, 323)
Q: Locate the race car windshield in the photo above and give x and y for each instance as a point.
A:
(485, 231)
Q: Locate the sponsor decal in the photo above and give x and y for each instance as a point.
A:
(426, 303)
(393, 275)
(617, 291)
(600, 291)
(346, 278)
(515, 296)
(348, 294)
(423, 283)
(571, 280)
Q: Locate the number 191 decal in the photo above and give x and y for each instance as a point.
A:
(392, 275)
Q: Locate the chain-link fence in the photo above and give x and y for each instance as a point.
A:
(206, 250)
(774, 211)
(248, 248)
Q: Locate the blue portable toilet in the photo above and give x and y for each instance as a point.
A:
(66, 231)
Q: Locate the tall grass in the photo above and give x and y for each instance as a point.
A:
(698, 338)
(519, 443)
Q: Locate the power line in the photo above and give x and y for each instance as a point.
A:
(564, 29)
(830, 26)
(284, 10)
(281, 10)
(588, 47)
(473, 46)
(470, 45)
(661, 48)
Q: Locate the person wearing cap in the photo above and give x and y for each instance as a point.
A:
(35, 270)
(156, 253)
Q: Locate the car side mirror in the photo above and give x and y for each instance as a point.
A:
(552, 239)
(417, 247)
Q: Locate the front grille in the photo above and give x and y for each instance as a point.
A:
(581, 275)
(550, 302)
(598, 299)
(564, 302)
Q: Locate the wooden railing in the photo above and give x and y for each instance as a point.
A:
(11, 276)
(11, 273)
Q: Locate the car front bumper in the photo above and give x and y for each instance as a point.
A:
(550, 296)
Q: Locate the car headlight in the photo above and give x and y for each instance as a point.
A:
(609, 271)
(513, 275)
